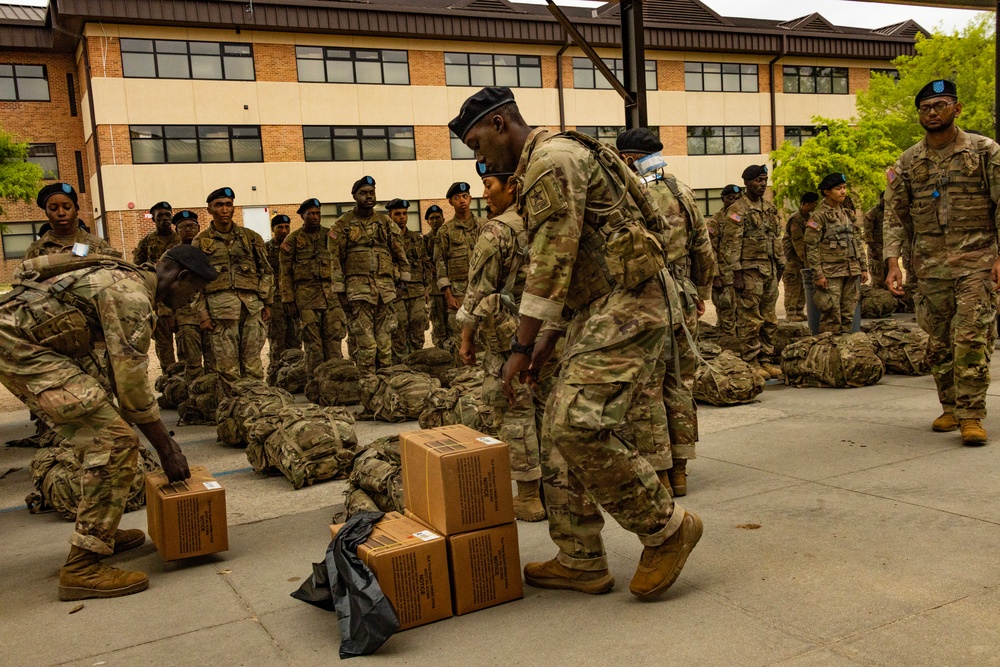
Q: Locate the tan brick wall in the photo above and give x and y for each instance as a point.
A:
(567, 69)
(282, 143)
(779, 81)
(433, 142)
(781, 134)
(121, 151)
(275, 62)
(674, 139)
(426, 68)
(548, 72)
(135, 224)
(858, 78)
(670, 75)
(764, 77)
(765, 139)
(105, 56)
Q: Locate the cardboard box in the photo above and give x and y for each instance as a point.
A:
(188, 518)
(485, 568)
(456, 479)
(410, 563)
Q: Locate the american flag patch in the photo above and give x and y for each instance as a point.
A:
(890, 174)
(735, 217)
(812, 223)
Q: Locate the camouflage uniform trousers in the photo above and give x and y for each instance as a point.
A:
(584, 464)
(439, 320)
(192, 345)
(283, 333)
(877, 266)
(411, 323)
(960, 318)
(163, 342)
(678, 397)
(795, 291)
(372, 326)
(724, 300)
(756, 321)
(646, 423)
(515, 424)
(237, 344)
(323, 334)
(836, 304)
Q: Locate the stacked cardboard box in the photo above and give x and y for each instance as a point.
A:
(188, 518)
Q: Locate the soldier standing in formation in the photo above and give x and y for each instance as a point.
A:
(62, 208)
(873, 239)
(453, 247)
(149, 249)
(194, 344)
(283, 332)
(750, 261)
(942, 197)
(438, 308)
(238, 300)
(793, 246)
(411, 299)
(368, 256)
(723, 296)
(835, 254)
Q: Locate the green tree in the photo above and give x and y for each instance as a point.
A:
(19, 179)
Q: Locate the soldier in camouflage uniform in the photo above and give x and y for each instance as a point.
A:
(438, 308)
(723, 296)
(150, 248)
(750, 260)
(46, 324)
(873, 239)
(283, 332)
(62, 207)
(368, 257)
(411, 299)
(943, 195)
(453, 247)
(835, 254)
(305, 284)
(793, 246)
(566, 197)
(239, 300)
(194, 344)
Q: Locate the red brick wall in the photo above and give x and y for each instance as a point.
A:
(121, 151)
(105, 56)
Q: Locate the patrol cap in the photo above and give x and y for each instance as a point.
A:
(362, 182)
(478, 105)
(193, 259)
(397, 203)
(456, 189)
(181, 216)
(308, 204)
(754, 171)
(280, 219)
(809, 198)
(221, 193)
(731, 190)
(638, 140)
(937, 88)
(161, 204)
(432, 210)
(484, 171)
(831, 181)
(56, 189)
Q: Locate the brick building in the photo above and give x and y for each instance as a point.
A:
(142, 101)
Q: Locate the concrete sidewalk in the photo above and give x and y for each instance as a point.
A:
(839, 530)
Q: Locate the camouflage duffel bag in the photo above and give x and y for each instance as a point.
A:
(462, 403)
(877, 302)
(202, 401)
(431, 360)
(465, 378)
(789, 332)
(173, 370)
(829, 360)
(292, 371)
(396, 393)
(308, 449)
(260, 428)
(236, 414)
(726, 380)
(903, 351)
(174, 391)
(377, 473)
(334, 382)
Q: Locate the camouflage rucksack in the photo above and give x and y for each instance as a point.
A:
(431, 360)
(172, 386)
(876, 302)
(260, 428)
(173, 370)
(462, 403)
(789, 332)
(726, 380)
(334, 382)
(905, 303)
(829, 360)
(903, 351)
(308, 447)
(255, 400)
(376, 479)
(396, 393)
(202, 401)
(292, 371)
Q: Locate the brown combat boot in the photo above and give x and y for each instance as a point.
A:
(129, 539)
(678, 478)
(772, 371)
(660, 566)
(759, 370)
(527, 503)
(553, 574)
(973, 432)
(664, 477)
(945, 423)
(84, 576)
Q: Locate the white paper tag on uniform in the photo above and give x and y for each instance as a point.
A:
(426, 535)
(212, 485)
(487, 440)
(81, 249)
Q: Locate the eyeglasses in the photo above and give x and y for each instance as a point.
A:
(937, 107)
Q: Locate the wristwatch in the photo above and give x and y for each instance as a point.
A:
(515, 346)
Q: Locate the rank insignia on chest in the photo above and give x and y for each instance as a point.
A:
(735, 217)
(538, 201)
(812, 223)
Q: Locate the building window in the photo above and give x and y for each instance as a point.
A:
(44, 155)
(174, 59)
(727, 140)
(17, 236)
(799, 134)
(709, 201)
(178, 144)
(720, 77)
(487, 69)
(324, 65)
(459, 151)
(818, 80)
(353, 144)
(606, 133)
(891, 73)
(585, 75)
(25, 83)
(479, 207)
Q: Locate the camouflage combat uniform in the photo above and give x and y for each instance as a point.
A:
(723, 296)
(945, 201)
(411, 304)
(438, 310)
(367, 258)
(877, 266)
(283, 331)
(305, 278)
(834, 251)
(603, 362)
(749, 240)
(194, 345)
(150, 248)
(452, 250)
(237, 298)
(496, 275)
(50, 244)
(793, 246)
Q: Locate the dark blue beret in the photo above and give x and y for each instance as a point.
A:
(362, 182)
(432, 210)
(477, 106)
(162, 204)
(280, 219)
(56, 189)
(308, 204)
(753, 171)
(731, 190)
(221, 193)
(831, 181)
(457, 188)
(397, 203)
(181, 216)
(937, 88)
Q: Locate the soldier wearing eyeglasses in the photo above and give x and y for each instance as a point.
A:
(942, 199)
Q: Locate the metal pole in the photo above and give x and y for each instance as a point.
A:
(996, 73)
(634, 62)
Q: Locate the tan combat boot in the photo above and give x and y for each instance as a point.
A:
(84, 576)
(660, 566)
(678, 478)
(664, 477)
(553, 574)
(129, 539)
(973, 432)
(773, 372)
(527, 503)
(945, 423)
(759, 370)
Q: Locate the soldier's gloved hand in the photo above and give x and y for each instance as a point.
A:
(291, 310)
(738, 282)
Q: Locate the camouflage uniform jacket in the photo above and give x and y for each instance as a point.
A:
(686, 243)
(834, 246)
(152, 246)
(50, 244)
(750, 234)
(245, 275)
(873, 223)
(420, 265)
(714, 226)
(793, 243)
(945, 201)
(367, 257)
(432, 283)
(305, 269)
(452, 252)
(497, 264)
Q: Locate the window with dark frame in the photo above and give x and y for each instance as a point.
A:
(24, 83)
(585, 74)
(721, 77)
(187, 144)
(723, 140)
(488, 69)
(802, 79)
(709, 200)
(889, 72)
(44, 155)
(459, 151)
(318, 64)
(797, 134)
(351, 143)
(479, 207)
(17, 236)
(177, 59)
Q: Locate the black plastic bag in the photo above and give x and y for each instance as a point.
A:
(343, 583)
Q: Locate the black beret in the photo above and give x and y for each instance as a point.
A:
(432, 210)
(753, 171)
(937, 88)
(362, 182)
(193, 259)
(308, 204)
(220, 194)
(809, 198)
(161, 204)
(457, 188)
(831, 181)
(280, 219)
(181, 216)
(56, 189)
(484, 171)
(731, 190)
(397, 203)
(638, 140)
(477, 106)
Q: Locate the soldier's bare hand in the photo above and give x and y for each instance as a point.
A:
(822, 282)
(894, 280)
(206, 325)
(995, 274)
(700, 307)
(545, 347)
(716, 281)
(175, 464)
(265, 314)
(516, 367)
(468, 352)
(453, 303)
(864, 277)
